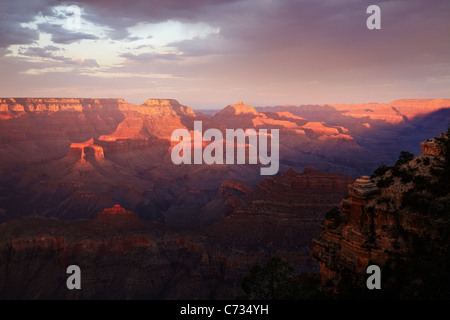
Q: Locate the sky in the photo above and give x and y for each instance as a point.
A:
(209, 54)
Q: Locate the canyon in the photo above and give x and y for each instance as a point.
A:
(122, 256)
(90, 182)
(71, 158)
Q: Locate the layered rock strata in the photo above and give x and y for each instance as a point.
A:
(399, 221)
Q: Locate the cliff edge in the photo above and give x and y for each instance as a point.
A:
(397, 219)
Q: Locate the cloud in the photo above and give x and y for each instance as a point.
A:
(121, 14)
(14, 34)
(14, 14)
(4, 51)
(122, 34)
(17, 23)
(64, 36)
(214, 43)
(271, 50)
(47, 53)
(149, 56)
(84, 62)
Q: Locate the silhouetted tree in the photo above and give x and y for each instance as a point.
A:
(404, 157)
(380, 171)
(263, 282)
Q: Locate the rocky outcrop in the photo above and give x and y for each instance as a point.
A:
(241, 115)
(239, 108)
(236, 116)
(75, 119)
(431, 148)
(352, 246)
(116, 212)
(154, 119)
(88, 150)
(388, 221)
(43, 129)
(16, 106)
(161, 104)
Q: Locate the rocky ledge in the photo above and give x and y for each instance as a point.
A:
(399, 220)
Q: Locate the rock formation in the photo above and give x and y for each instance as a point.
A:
(431, 148)
(88, 148)
(123, 257)
(120, 257)
(156, 118)
(283, 212)
(77, 156)
(399, 221)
